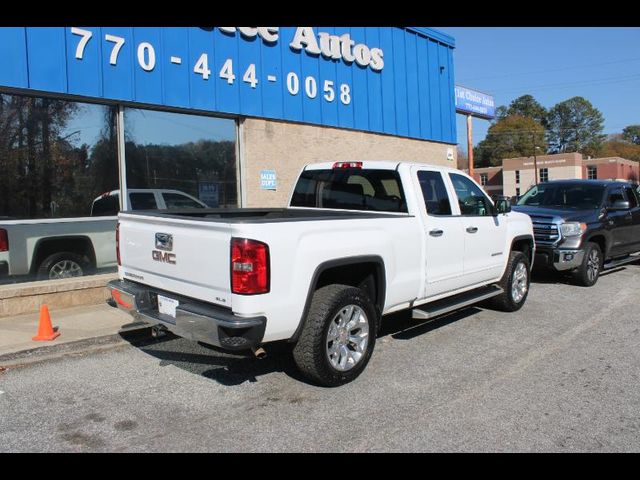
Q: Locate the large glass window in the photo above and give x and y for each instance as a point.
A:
(57, 158)
(175, 155)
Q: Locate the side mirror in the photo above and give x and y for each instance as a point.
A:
(503, 205)
(619, 205)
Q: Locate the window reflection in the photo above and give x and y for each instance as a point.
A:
(188, 154)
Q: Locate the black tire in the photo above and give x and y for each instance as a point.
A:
(506, 301)
(54, 260)
(585, 275)
(310, 352)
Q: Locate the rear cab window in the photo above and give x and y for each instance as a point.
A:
(106, 206)
(350, 189)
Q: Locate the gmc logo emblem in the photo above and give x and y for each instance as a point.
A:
(164, 257)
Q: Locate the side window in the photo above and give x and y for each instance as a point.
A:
(631, 196)
(470, 197)
(434, 192)
(615, 194)
(177, 200)
(142, 201)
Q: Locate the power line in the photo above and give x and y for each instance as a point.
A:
(554, 69)
(582, 83)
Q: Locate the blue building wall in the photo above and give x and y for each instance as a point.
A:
(411, 96)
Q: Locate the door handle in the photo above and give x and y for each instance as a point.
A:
(436, 233)
(472, 229)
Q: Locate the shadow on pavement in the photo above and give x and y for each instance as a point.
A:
(235, 369)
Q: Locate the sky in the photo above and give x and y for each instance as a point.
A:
(553, 64)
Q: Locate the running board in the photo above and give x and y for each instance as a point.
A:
(622, 261)
(446, 305)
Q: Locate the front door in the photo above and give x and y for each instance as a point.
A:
(485, 252)
(443, 233)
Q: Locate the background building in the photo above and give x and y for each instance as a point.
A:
(517, 175)
(227, 115)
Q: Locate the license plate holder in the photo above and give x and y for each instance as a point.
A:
(167, 306)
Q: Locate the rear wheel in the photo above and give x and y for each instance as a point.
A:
(338, 337)
(63, 265)
(514, 283)
(588, 272)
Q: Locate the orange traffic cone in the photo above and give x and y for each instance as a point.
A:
(45, 329)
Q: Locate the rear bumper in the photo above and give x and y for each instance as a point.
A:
(4, 269)
(558, 259)
(195, 320)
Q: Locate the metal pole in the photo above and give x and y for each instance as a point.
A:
(535, 159)
(124, 197)
(470, 145)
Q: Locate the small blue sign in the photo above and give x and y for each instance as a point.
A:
(209, 194)
(472, 102)
(268, 180)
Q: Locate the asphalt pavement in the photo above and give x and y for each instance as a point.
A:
(560, 375)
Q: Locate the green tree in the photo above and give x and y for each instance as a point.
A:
(512, 136)
(619, 148)
(632, 134)
(524, 106)
(575, 125)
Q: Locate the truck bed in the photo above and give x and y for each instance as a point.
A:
(263, 215)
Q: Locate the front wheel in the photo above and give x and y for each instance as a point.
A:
(338, 336)
(514, 283)
(588, 272)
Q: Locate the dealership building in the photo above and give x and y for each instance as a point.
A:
(93, 119)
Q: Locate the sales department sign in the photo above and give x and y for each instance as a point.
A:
(383, 79)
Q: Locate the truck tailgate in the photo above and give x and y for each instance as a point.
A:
(184, 256)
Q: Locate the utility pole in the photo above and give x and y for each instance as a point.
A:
(535, 159)
(470, 145)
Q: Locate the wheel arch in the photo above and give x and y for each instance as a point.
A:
(366, 271)
(78, 244)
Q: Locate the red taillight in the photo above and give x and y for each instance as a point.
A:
(249, 267)
(347, 165)
(4, 240)
(118, 243)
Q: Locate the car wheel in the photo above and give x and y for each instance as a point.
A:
(338, 336)
(514, 283)
(588, 272)
(63, 265)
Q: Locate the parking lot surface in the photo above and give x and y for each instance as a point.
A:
(559, 375)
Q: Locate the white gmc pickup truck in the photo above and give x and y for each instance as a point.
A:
(358, 241)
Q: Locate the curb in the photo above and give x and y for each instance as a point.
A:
(79, 347)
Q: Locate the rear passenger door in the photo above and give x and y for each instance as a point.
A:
(634, 204)
(484, 234)
(443, 235)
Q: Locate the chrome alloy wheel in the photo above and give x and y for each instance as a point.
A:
(519, 283)
(593, 265)
(347, 338)
(65, 269)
